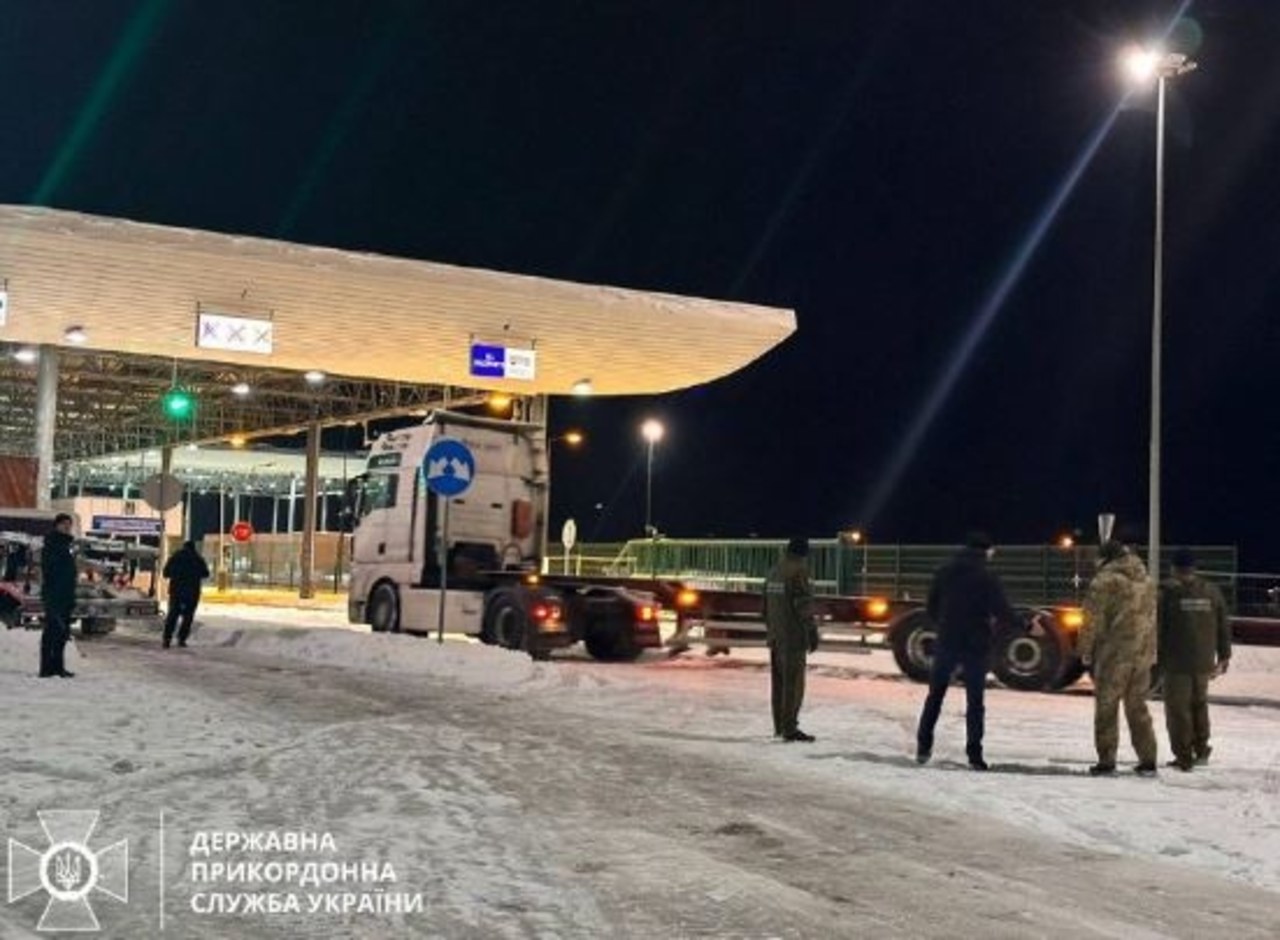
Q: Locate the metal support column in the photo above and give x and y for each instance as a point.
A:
(46, 421)
(308, 553)
(224, 579)
(537, 413)
(166, 468)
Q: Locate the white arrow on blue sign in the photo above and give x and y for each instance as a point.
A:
(449, 467)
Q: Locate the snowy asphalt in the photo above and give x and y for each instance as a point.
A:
(525, 812)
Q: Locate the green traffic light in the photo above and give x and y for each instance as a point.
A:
(179, 404)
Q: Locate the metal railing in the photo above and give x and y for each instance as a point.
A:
(1032, 574)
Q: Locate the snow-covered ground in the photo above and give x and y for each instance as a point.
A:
(577, 799)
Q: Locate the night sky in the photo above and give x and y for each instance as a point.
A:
(877, 166)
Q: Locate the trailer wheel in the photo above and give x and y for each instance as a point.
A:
(1029, 661)
(505, 620)
(384, 609)
(1071, 675)
(913, 638)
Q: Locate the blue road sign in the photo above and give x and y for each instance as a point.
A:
(488, 362)
(448, 467)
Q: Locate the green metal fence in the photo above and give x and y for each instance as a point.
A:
(1032, 574)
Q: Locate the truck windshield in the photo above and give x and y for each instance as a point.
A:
(377, 491)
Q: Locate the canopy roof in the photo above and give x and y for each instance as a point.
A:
(137, 288)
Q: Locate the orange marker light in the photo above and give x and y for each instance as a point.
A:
(1072, 617)
(877, 608)
(687, 598)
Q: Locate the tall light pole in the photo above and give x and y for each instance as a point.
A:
(652, 431)
(1143, 66)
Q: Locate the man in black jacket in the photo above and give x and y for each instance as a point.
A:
(185, 570)
(966, 602)
(58, 593)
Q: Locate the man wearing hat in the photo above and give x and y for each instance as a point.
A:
(967, 602)
(1195, 645)
(793, 634)
(1118, 644)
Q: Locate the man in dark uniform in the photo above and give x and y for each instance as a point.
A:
(185, 570)
(1194, 646)
(967, 603)
(793, 634)
(58, 593)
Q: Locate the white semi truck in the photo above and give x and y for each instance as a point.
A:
(497, 537)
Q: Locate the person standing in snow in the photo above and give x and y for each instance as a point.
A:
(1194, 646)
(967, 603)
(58, 594)
(1118, 645)
(793, 634)
(185, 570)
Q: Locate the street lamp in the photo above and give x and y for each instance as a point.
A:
(1143, 66)
(652, 431)
(858, 537)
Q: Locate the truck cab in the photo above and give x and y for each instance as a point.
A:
(484, 542)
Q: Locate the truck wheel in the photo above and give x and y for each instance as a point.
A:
(612, 648)
(1029, 662)
(505, 620)
(913, 638)
(384, 609)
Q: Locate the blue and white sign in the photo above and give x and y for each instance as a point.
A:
(488, 362)
(126, 525)
(503, 362)
(449, 467)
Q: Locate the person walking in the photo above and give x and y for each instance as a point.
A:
(1118, 645)
(1194, 646)
(185, 571)
(58, 594)
(967, 603)
(793, 634)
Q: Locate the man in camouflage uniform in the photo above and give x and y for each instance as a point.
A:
(1195, 645)
(793, 634)
(1118, 643)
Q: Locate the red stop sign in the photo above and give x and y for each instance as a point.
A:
(241, 532)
